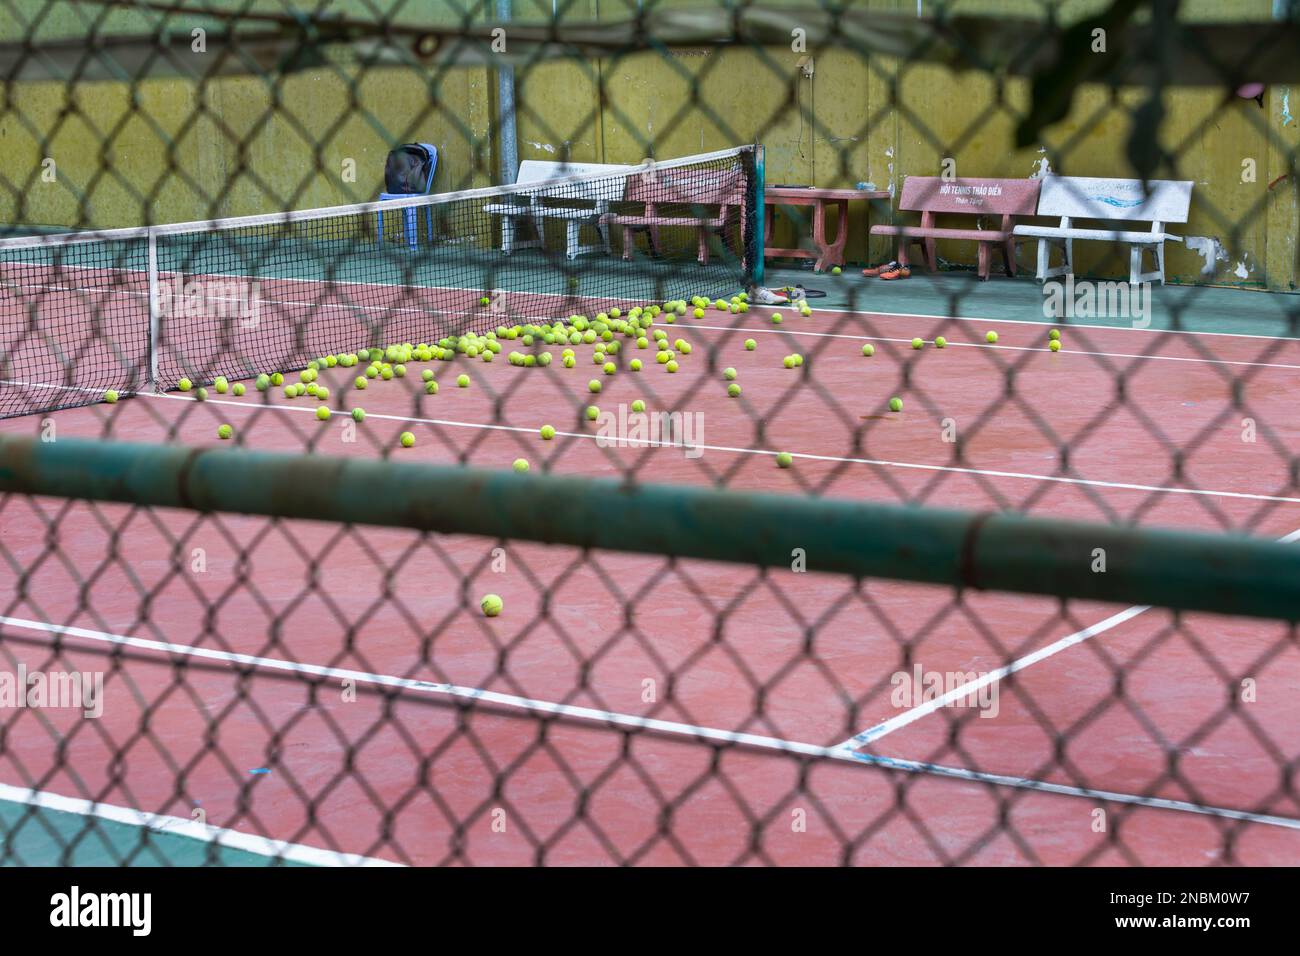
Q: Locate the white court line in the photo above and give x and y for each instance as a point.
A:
(668, 727)
(638, 442)
(872, 734)
(883, 462)
(984, 345)
(189, 829)
(685, 323)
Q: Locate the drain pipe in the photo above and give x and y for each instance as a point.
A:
(509, 144)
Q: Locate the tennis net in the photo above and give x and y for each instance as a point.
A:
(136, 309)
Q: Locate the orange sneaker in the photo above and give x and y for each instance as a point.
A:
(875, 271)
(898, 272)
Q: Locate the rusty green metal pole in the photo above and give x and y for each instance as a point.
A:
(1000, 552)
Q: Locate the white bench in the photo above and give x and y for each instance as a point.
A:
(575, 203)
(1161, 201)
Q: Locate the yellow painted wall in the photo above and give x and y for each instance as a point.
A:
(246, 145)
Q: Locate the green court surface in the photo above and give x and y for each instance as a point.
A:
(962, 295)
(41, 836)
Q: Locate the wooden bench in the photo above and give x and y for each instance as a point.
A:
(932, 195)
(1160, 201)
(577, 204)
(675, 197)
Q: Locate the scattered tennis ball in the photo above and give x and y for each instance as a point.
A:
(548, 432)
(940, 342)
(520, 465)
(918, 343)
(1054, 334)
(431, 388)
(698, 313)
(185, 385)
(729, 374)
(221, 384)
(313, 389)
(750, 345)
(262, 382)
(638, 406)
(609, 368)
(1054, 345)
(991, 337)
(491, 605)
(201, 394)
(868, 350)
(358, 414)
(224, 432)
(594, 385)
(798, 359)
(361, 381)
(672, 366)
(788, 361)
(895, 404)
(784, 460)
(237, 389)
(485, 300)
(400, 370)
(111, 397)
(776, 318)
(322, 393)
(386, 373)
(570, 361)
(277, 378)
(462, 381)
(323, 413)
(836, 270)
(407, 439)
(592, 413)
(733, 389)
(635, 365)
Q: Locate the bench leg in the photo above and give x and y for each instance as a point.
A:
(931, 258)
(629, 241)
(901, 255)
(571, 239)
(702, 236)
(984, 256)
(1136, 276)
(1045, 268)
(1009, 257)
(507, 234)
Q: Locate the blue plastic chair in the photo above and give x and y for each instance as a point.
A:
(410, 217)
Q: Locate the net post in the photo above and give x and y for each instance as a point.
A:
(758, 211)
(154, 305)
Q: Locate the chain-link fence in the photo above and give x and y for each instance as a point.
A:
(729, 433)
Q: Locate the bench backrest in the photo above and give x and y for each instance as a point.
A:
(1008, 197)
(688, 185)
(1088, 197)
(538, 172)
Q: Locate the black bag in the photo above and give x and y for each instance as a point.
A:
(409, 169)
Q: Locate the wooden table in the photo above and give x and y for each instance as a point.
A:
(828, 253)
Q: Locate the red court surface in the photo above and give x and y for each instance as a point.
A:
(1122, 707)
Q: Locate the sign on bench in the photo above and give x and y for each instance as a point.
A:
(575, 203)
(932, 195)
(1158, 201)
